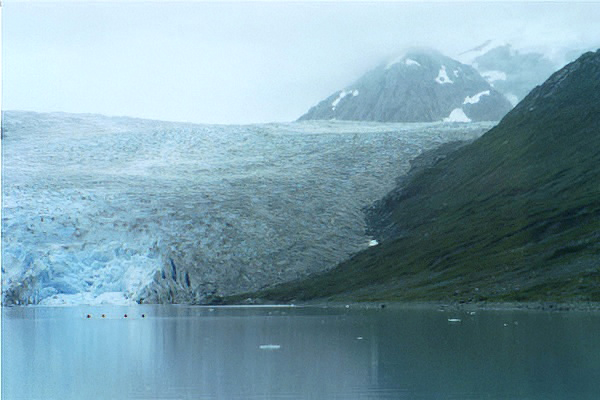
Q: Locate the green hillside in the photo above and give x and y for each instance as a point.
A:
(514, 216)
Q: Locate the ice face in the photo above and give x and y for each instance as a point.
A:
(457, 115)
(118, 210)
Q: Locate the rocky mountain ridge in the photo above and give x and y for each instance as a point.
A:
(419, 86)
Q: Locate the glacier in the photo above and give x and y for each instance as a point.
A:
(121, 210)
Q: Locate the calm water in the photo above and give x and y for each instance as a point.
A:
(297, 353)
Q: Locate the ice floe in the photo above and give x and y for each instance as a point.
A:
(269, 346)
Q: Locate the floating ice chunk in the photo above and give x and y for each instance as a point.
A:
(359, 338)
(492, 76)
(456, 73)
(355, 93)
(410, 61)
(373, 243)
(269, 346)
(457, 115)
(442, 77)
(454, 320)
(475, 98)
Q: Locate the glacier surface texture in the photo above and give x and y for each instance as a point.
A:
(117, 210)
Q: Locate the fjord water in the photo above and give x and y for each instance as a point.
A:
(181, 352)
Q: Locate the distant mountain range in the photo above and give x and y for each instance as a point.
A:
(512, 72)
(424, 86)
(419, 86)
(513, 216)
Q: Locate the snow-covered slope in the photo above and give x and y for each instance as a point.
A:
(100, 209)
(420, 85)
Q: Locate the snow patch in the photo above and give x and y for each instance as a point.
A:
(493, 76)
(393, 62)
(410, 61)
(475, 98)
(402, 59)
(442, 77)
(343, 94)
(457, 115)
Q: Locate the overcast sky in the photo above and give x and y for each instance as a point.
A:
(245, 62)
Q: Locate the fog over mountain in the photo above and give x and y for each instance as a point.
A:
(242, 62)
(512, 72)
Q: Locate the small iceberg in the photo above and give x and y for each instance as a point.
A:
(269, 346)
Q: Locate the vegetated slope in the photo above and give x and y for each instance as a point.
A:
(513, 216)
(420, 86)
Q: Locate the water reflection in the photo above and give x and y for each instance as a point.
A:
(296, 353)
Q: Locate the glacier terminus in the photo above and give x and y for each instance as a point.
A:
(121, 210)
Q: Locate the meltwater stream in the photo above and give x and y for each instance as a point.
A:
(223, 353)
(99, 209)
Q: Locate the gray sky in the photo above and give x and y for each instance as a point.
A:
(245, 62)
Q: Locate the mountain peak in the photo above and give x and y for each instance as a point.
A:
(420, 85)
